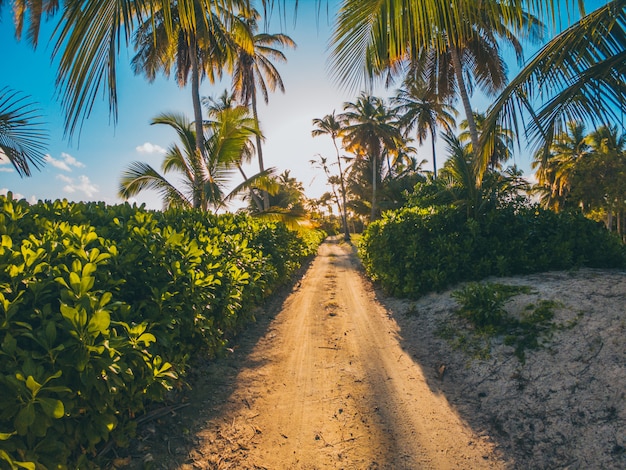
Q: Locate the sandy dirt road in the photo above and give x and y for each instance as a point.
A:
(328, 386)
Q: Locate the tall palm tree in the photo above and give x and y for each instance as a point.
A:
(555, 169)
(214, 107)
(228, 136)
(331, 126)
(193, 54)
(254, 69)
(421, 109)
(22, 140)
(456, 40)
(369, 132)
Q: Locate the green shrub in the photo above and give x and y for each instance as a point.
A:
(414, 251)
(102, 307)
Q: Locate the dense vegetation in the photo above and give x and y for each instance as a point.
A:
(417, 250)
(102, 307)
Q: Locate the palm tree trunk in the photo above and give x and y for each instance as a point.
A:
(198, 122)
(469, 115)
(344, 212)
(432, 138)
(259, 149)
(374, 174)
(253, 195)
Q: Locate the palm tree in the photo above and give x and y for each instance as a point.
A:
(228, 137)
(600, 181)
(22, 139)
(500, 145)
(369, 132)
(421, 109)
(556, 168)
(455, 40)
(578, 75)
(194, 55)
(254, 68)
(331, 126)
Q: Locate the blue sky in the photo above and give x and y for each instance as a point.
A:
(89, 168)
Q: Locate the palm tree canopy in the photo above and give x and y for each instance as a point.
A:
(254, 68)
(227, 137)
(579, 75)
(373, 36)
(22, 139)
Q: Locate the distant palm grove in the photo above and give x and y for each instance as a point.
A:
(74, 344)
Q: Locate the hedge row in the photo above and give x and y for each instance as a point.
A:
(102, 307)
(414, 251)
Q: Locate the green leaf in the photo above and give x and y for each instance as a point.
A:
(6, 241)
(76, 316)
(146, 339)
(5, 436)
(75, 282)
(99, 322)
(105, 299)
(24, 419)
(86, 284)
(32, 385)
(51, 407)
(51, 332)
(9, 344)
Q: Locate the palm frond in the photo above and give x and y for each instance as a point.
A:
(140, 176)
(22, 139)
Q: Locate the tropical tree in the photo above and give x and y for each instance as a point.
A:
(555, 169)
(331, 126)
(501, 142)
(419, 108)
(254, 69)
(22, 139)
(370, 133)
(227, 139)
(459, 185)
(193, 53)
(443, 43)
(599, 181)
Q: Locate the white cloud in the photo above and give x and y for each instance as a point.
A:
(147, 147)
(71, 161)
(64, 163)
(4, 160)
(83, 185)
(65, 179)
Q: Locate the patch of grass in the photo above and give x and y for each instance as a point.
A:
(482, 305)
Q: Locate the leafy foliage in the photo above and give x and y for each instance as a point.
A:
(483, 305)
(415, 250)
(102, 307)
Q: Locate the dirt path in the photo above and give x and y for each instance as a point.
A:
(328, 386)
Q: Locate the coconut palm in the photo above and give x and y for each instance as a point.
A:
(227, 138)
(455, 40)
(22, 140)
(331, 126)
(500, 146)
(421, 109)
(370, 133)
(193, 54)
(254, 69)
(555, 169)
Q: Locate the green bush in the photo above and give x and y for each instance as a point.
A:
(414, 251)
(102, 307)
